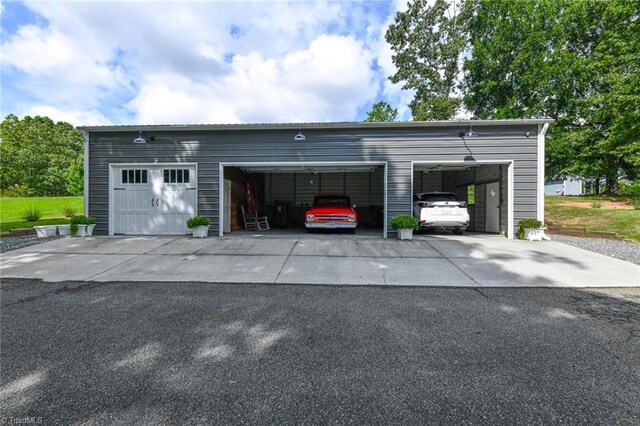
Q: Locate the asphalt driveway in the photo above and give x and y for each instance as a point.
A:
(178, 353)
(462, 261)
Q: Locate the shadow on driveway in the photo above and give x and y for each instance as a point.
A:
(265, 354)
(466, 261)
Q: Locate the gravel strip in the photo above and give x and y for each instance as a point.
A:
(14, 243)
(623, 250)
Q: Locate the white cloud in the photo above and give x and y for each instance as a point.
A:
(75, 117)
(172, 98)
(47, 52)
(211, 62)
(327, 81)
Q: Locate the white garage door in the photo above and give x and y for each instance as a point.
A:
(154, 200)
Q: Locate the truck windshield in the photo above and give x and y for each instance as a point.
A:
(331, 202)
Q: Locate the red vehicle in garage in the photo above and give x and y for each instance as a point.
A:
(331, 212)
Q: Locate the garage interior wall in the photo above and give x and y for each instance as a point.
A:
(458, 182)
(427, 182)
(364, 188)
(284, 197)
(238, 180)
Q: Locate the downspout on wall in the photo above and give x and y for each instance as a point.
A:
(85, 136)
(542, 131)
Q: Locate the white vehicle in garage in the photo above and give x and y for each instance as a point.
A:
(441, 210)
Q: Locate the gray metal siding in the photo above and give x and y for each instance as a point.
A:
(399, 147)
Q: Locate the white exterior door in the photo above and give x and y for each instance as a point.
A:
(132, 201)
(153, 200)
(492, 206)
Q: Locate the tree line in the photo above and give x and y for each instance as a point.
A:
(575, 61)
(40, 158)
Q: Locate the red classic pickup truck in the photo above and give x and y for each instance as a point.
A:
(331, 212)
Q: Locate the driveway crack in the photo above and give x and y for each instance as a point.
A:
(165, 244)
(459, 269)
(285, 261)
(113, 267)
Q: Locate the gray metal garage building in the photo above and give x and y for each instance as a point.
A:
(149, 179)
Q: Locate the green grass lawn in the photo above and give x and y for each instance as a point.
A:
(621, 221)
(12, 211)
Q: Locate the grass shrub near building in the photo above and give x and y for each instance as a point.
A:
(52, 211)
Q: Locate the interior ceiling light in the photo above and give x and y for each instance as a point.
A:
(300, 136)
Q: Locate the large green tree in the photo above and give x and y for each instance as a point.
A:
(615, 104)
(510, 64)
(575, 61)
(572, 60)
(40, 157)
(382, 111)
(428, 41)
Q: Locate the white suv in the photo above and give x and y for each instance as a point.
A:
(441, 210)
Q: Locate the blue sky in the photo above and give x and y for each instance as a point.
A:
(184, 62)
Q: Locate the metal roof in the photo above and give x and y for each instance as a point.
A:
(317, 125)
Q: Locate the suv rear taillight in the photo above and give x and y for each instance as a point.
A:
(463, 205)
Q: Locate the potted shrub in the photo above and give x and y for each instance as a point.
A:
(199, 226)
(531, 229)
(82, 226)
(405, 225)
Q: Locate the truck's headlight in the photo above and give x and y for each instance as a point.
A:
(309, 218)
(352, 218)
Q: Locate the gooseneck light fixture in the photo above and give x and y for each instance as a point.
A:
(300, 136)
(469, 133)
(143, 139)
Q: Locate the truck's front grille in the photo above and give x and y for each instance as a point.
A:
(331, 218)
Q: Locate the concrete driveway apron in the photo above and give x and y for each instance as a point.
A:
(432, 260)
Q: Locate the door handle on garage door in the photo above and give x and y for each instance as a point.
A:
(152, 202)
